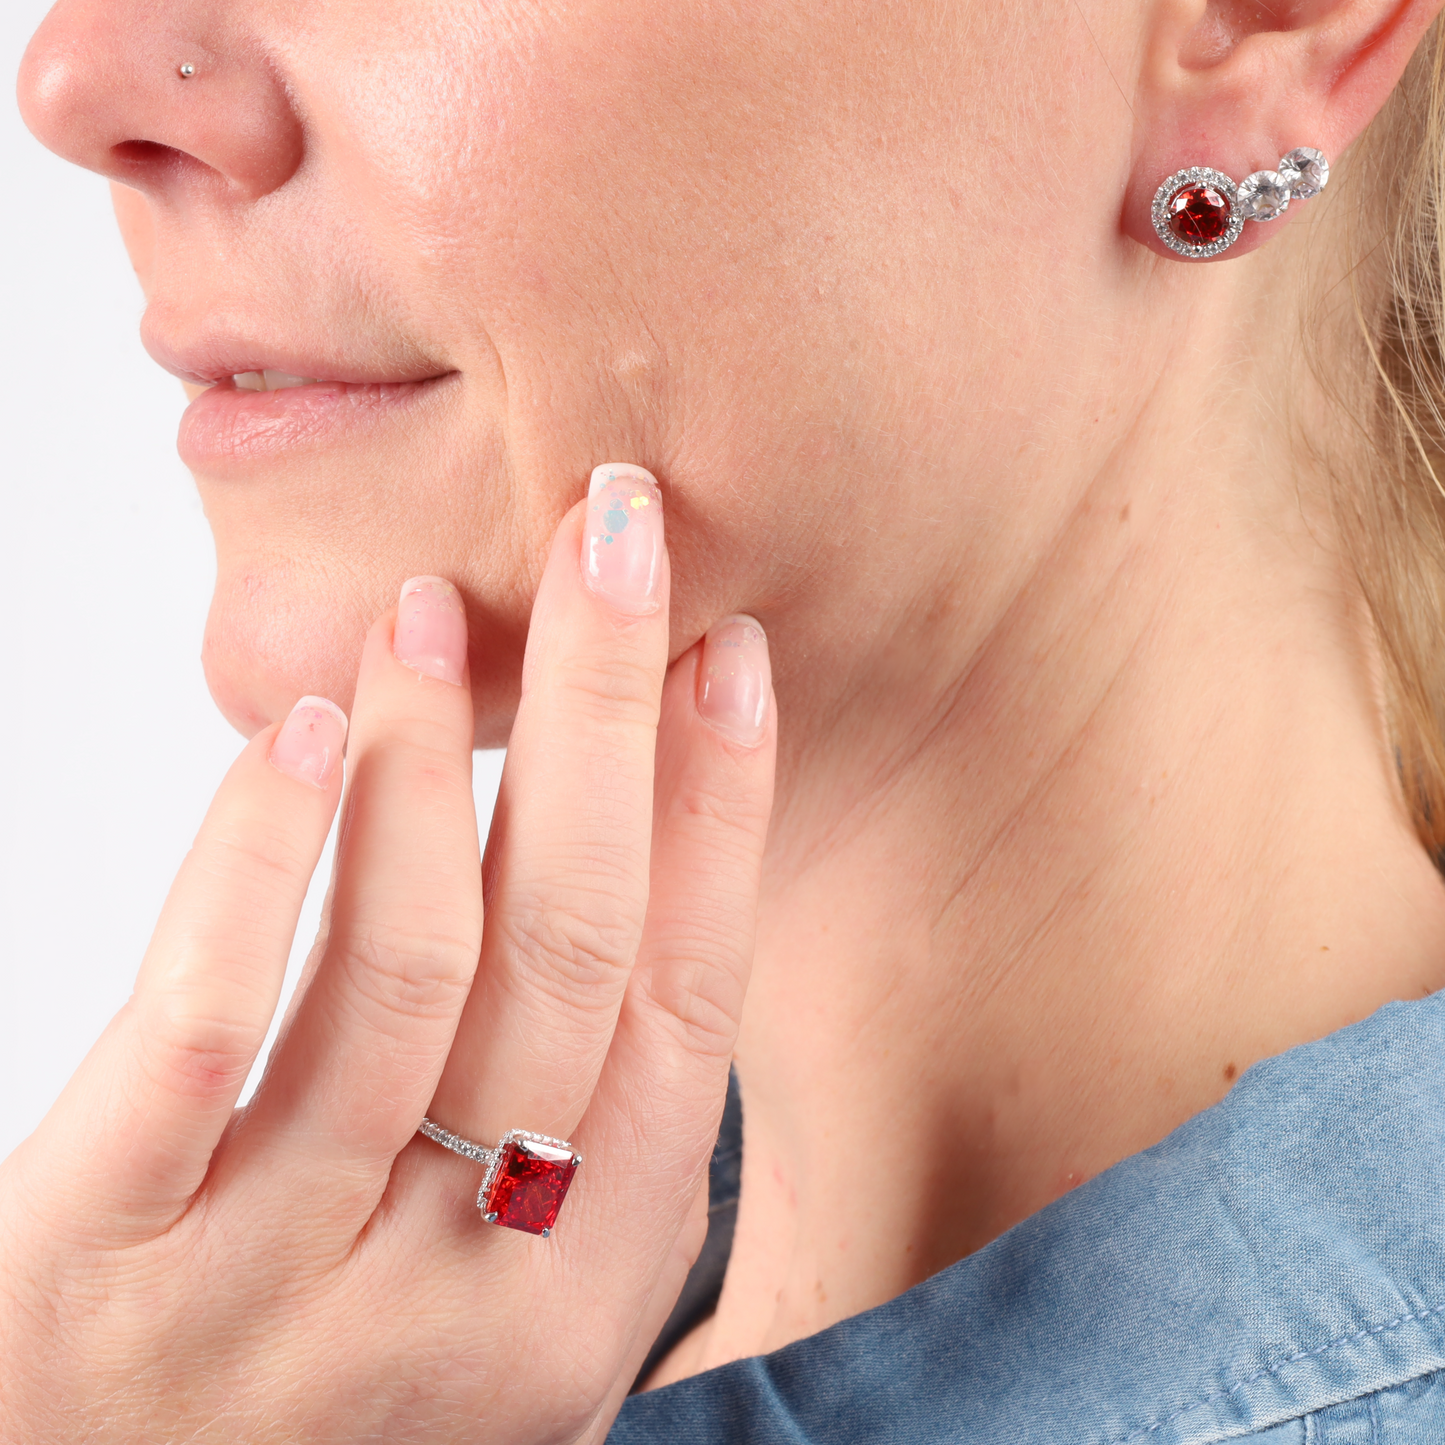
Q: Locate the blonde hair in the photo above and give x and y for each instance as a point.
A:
(1390, 505)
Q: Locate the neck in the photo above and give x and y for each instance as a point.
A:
(1122, 829)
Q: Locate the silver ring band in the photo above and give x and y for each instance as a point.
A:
(456, 1143)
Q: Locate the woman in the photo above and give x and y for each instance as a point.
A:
(1100, 576)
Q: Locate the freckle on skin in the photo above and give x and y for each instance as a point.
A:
(1231, 1072)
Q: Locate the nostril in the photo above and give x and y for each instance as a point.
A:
(148, 154)
(143, 162)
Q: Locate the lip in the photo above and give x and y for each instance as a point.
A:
(213, 356)
(228, 425)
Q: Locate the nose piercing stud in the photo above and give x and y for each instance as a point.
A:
(186, 71)
(1199, 212)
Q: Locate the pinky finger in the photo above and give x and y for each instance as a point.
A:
(130, 1138)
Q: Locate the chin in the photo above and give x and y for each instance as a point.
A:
(270, 639)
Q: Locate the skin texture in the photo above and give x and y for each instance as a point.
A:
(1084, 797)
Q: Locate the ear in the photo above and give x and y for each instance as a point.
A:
(1236, 84)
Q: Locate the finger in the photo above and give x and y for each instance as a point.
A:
(135, 1128)
(654, 1116)
(653, 1315)
(567, 862)
(350, 1077)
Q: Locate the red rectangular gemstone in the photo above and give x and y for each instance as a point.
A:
(530, 1184)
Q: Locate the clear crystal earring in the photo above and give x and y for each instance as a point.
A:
(1199, 212)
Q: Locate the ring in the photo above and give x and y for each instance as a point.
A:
(526, 1179)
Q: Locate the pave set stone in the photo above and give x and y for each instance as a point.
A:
(1199, 212)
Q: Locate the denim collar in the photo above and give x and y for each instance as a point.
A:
(1280, 1253)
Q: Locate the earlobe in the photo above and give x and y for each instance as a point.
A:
(1235, 90)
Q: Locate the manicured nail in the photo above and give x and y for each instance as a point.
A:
(622, 541)
(431, 628)
(310, 743)
(736, 680)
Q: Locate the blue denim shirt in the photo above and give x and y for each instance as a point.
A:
(1274, 1271)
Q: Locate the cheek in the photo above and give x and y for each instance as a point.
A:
(269, 640)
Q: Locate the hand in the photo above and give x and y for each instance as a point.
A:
(308, 1268)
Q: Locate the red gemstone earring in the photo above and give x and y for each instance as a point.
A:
(1199, 212)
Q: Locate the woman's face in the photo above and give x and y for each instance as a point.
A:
(796, 257)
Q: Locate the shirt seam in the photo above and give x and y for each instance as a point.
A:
(1275, 1368)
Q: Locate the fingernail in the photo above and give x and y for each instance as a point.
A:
(622, 541)
(310, 743)
(431, 628)
(735, 680)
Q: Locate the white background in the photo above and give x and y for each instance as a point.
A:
(110, 746)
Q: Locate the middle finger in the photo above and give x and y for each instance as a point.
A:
(567, 864)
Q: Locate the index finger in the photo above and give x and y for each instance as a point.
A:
(168, 1069)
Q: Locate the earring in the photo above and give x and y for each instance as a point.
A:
(1199, 212)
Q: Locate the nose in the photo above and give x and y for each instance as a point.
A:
(167, 97)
